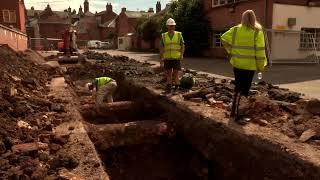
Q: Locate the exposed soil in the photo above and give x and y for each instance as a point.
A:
(27, 119)
(169, 159)
(267, 105)
(30, 149)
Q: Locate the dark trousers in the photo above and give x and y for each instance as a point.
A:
(243, 80)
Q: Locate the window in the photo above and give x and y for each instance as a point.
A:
(6, 15)
(9, 16)
(13, 18)
(216, 3)
(217, 38)
(310, 39)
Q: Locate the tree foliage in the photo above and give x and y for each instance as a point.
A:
(190, 20)
(193, 24)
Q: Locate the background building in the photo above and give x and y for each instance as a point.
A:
(291, 26)
(45, 27)
(126, 22)
(12, 24)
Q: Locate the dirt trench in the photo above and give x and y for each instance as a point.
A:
(132, 148)
(192, 147)
(196, 140)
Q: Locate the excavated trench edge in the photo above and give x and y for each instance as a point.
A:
(235, 152)
(79, 144)
(245, 153)
(239, 152)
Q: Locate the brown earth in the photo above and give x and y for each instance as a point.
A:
(28, 146)
(24, 97)
(268, 105)
(280, 110)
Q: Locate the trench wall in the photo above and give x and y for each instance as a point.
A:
(235, 153)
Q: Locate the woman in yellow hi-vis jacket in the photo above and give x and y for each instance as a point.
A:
(246, 46)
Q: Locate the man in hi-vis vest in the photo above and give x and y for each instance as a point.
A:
(102, 87)
(171, 54)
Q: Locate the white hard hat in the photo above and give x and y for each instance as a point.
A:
(171, 22)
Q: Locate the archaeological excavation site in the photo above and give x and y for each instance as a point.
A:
(50, 127)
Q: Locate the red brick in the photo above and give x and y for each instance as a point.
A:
(19, 7)
(13, 38)
(28, 147)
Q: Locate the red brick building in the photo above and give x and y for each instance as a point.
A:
(13, 38)
(12, 24)
(126, 29)
(223, 14)
(107, 23)
(13, 14)
(46, 24)
(50, 24)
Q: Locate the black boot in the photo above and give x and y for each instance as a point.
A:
(234, 104)
(237, 117)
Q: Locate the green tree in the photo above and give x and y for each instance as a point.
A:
(148, 28)
(193, 24)
(190, 19)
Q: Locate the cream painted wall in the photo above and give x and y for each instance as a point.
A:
(126, 43)
(285, 45)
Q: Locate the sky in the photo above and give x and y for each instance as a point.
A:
(95, 5)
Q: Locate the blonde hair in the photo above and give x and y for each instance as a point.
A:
(249, 19)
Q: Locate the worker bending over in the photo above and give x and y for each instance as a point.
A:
(103, 87)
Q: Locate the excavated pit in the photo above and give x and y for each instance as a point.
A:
(133, 144)
(167, 159)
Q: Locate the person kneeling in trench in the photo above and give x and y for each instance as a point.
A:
(102, 87)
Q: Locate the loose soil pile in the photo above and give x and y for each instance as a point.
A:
(28, 146)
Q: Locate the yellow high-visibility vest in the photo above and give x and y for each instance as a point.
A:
(103, 81)
(172, 47)
(247, 49)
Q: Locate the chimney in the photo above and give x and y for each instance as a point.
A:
(109, 7)
(158, 7)
(86, 6)
(32, 8)
(69, 9)
(80, 10)
(123, 9)
(48, 7)
(151, 10)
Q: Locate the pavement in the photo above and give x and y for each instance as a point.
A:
(303, 78)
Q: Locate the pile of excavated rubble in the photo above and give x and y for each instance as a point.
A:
(267, 105)
(29, 148)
